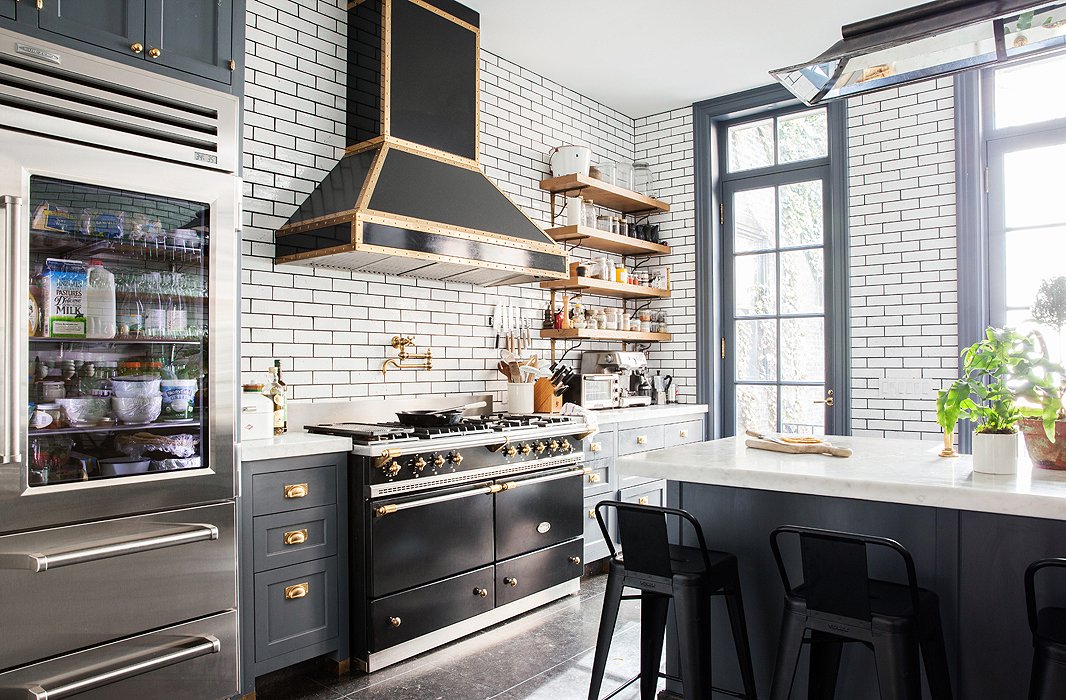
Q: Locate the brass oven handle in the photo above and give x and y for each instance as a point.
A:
(395, 621)
(511, 581)
(642, 439)
(296, 490)
(295, 536)
(43, 561)
(14, 319)
(297, 590)
(389, 509)
(168, 654)
(481, 592)
(576, 471)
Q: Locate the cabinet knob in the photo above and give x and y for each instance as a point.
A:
(594, 478)
(297, 590)
(642, 501)
(595, 446)
(295, 536)
(642, 439)
(682, 433)
(395, 621)
(137, 47)
(592, 513)
(295, 490)
(511, 581)
(575, 560)
(154, 53)
(481, 592)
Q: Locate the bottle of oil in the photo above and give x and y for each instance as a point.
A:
(277, 395)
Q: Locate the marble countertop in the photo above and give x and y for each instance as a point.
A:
(293, 445)
(610, 416)
(894, 471)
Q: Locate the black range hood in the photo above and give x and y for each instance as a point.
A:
(408, 197)
(925, 41)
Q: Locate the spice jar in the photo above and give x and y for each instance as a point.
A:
(634, 324)
(612, 320)
(588, 210)
(623, 322)
(601, 320)
(620, 273)
(603, 222)
(645, 321)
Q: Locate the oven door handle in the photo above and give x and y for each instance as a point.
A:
(161, 656)
(43, 561)
(511, 485)
(389, 509)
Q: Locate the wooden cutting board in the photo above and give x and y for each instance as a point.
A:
(822, 448)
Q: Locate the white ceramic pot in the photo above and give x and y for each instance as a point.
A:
(995, 454)
(564, 160)
(520, 397)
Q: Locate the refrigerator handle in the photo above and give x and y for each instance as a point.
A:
(14, 323)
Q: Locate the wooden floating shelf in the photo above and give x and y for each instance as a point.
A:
(606, 241)
(596, 334)
(604, 194)
(606, 288)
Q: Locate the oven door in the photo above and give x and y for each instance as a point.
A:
(539, 511)
(167, 234)
(423, 538)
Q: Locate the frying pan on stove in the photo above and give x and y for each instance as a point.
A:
(437, 418)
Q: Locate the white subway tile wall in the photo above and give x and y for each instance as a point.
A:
(904, 312)
(330, 328)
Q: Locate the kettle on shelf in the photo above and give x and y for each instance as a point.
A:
(566, 160)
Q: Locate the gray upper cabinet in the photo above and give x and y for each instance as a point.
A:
(7, 9)
(117, 25)
(195, 36)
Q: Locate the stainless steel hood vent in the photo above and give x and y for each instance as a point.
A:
(921, 42)
(408, 197)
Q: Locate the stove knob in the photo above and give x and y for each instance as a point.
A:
(553, 446)
(438, 461)
(393, 469)
(567, 446)
(511, 451)
(527, 448)
(541, 447)
(457, 458)
(420, 463)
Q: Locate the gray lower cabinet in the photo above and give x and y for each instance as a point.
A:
(7, 9)
(293, 565)
(604, 483)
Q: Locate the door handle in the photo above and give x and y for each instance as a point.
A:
(162, 656)
(14, 324)
(828, 400)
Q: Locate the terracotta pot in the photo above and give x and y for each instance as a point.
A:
(1043, 452)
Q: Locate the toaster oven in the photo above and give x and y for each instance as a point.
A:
(598, 391)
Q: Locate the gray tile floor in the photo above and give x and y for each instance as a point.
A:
(545, 654)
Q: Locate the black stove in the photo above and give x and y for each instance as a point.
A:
(367, 433)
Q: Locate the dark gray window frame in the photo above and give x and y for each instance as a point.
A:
(708, 118)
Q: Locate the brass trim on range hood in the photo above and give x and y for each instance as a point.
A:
(922, 42)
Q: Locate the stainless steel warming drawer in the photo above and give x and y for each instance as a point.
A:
(191, 660)
(83, 585)
(528, 574)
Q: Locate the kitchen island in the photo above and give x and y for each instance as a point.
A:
(971, 535)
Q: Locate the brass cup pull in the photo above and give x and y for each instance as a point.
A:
(137, 47)
(295, 536)
(296, 590)
(511, 581)
(594, 478)
(642, 439)
(154, 53)
(395, 621)
(592, 514)
(595, 446)
(642, 501)
(682, 433)
(295, 490)
(575, 560)
(481, 592)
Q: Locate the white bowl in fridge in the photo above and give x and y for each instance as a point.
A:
(137, 410)
(129, 388)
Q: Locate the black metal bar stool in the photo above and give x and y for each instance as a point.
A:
(1048, 625)
(839, 603)
(662, 571)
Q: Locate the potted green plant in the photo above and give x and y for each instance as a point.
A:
(1041, 387)
(983, 395)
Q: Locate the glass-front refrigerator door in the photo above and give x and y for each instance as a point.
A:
(124, 270)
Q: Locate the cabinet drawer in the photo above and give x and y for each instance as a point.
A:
(651, 494)
(74, 593)
(277, 492)
(640, 439)
(294, 607)
(530, 573)
(397, 618)
(598, 476)
(290, 538)
(595, 544)
(599, 446)
(192, 660)
(682, 433)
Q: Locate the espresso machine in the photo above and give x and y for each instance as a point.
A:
(628, 373)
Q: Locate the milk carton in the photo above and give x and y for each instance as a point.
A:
(64, 283)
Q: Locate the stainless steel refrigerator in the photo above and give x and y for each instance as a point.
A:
(119, 216)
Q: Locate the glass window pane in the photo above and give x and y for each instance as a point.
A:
(799, 412)
(802, 136)
(802, 350)
(756, 408)
(802, 282)
(756, 350)
(1024, 94)
(1033, 256)
(756, 284)
(751, 145)
(755, 225)
(1034, 183)
(801, 213)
